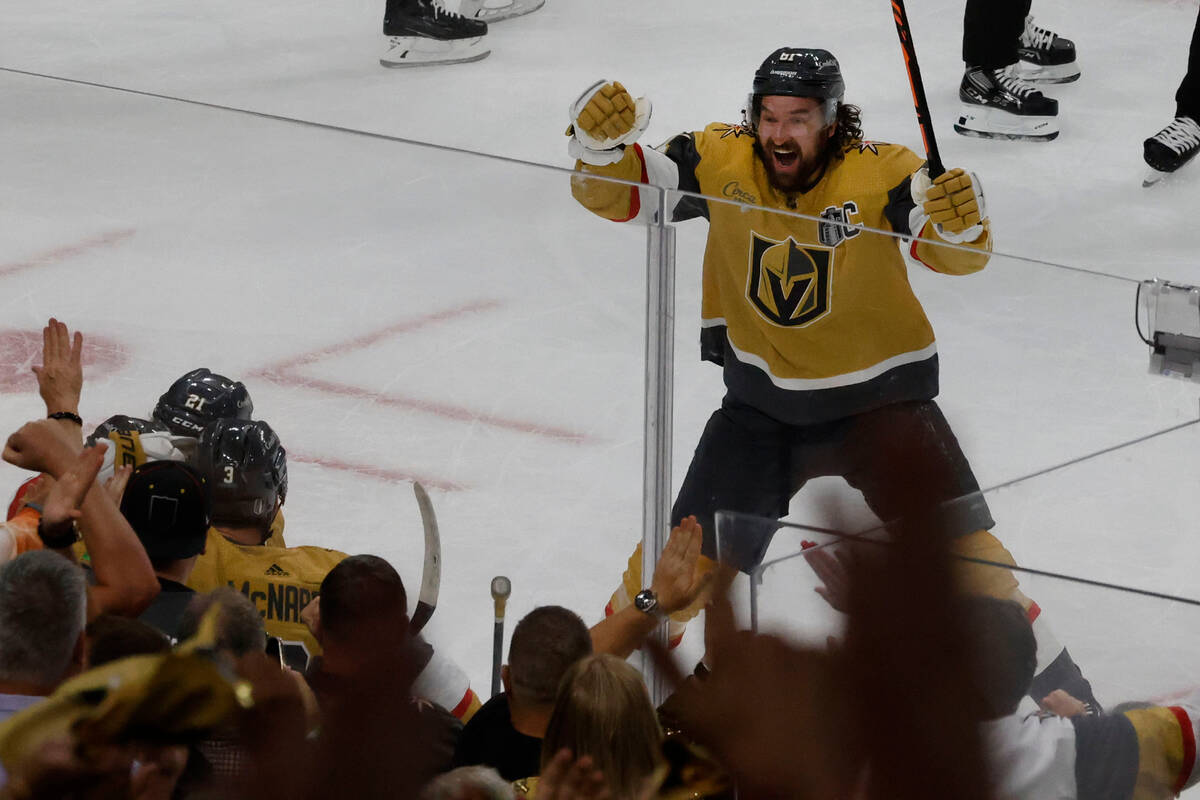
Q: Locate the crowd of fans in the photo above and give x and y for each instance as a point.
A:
(159, 640)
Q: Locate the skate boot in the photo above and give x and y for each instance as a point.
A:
(496, 10)
(1045, 56)
(999, 105)
(1171, 148)
(426, 33)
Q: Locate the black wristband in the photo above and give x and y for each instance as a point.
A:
(78, 420)
(60, 541)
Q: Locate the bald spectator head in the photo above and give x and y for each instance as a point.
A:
(43, 611)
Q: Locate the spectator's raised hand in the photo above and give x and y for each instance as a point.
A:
(832, 568)
(124, 578)
(677, 583)
(66, 494)
(41, 446)
(116, 483)
(60, 376)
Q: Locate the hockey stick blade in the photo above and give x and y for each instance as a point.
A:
(431, 572)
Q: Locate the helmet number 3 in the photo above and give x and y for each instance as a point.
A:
(229, 474)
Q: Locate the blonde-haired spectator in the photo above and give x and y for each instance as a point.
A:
(603, 712)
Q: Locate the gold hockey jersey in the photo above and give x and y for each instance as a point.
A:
(282, 581)
(813, 319)
(279, 581)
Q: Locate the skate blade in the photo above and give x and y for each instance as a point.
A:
(405, 52)
(1152, 177)
(518, 8)
(1058, 73)
(1012, 137)
(986, 122)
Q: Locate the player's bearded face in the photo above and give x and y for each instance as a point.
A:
(792, 137)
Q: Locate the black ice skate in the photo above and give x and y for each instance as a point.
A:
(1045, 56)
(999, 105)
(1171, 148)
(426, 33)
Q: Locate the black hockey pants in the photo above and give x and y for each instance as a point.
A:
(992, 30)
(902, 457)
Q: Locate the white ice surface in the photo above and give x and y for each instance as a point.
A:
(468, 325)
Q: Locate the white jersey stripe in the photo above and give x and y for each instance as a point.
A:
(845, 379)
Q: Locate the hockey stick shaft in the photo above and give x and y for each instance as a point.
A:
(501, 589)
(497, 649)
(924, 119)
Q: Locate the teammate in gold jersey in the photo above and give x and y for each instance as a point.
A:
(830, 363)
(246, 467)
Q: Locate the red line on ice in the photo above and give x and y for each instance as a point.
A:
(66, 251)
(440, 409)
(374, 471)
(286, 373)
(368, 339)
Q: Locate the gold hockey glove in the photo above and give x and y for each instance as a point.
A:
(604, 119)
(954, 203)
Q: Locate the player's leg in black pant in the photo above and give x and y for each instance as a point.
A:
(991, 30)
(743, 462)
(908, 464)
(1179, 142)
(1187, 99)
(906, 461)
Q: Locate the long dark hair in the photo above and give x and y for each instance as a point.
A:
(849, 129)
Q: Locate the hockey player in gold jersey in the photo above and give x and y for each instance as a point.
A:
(246, 466)
(830, 363)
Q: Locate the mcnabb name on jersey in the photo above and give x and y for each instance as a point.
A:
(281, 602)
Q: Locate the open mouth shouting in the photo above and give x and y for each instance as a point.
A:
(785, 158)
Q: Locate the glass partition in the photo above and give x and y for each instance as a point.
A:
(1082, 457)
(405, 312)
(1129, 642)
(397, 312)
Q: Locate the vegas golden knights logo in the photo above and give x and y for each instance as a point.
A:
(789, 283)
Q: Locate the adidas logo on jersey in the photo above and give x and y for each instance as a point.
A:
(277, 571)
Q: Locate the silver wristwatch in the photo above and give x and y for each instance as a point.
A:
(645, 602)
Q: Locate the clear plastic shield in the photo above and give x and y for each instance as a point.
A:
(398, 313)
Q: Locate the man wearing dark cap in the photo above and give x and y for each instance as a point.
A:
(168, 506)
